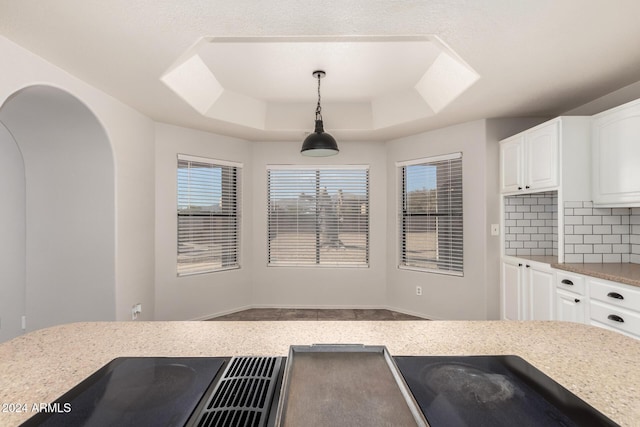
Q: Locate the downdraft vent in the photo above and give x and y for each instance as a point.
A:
(243, 396)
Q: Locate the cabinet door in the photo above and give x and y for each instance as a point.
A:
(542, 157)
(512, 291)
(616, 156)
(570, 307)
(541, 293)
(511, 173)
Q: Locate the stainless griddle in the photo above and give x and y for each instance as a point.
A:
(345, 385)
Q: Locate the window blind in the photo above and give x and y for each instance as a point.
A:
(318, 217)
(208, 215)
(430, 214)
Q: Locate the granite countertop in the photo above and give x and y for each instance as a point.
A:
(622, 273)
(627, 273)
(600, 366)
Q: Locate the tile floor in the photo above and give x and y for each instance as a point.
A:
(316, 314)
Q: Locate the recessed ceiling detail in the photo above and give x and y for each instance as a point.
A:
(372, 82)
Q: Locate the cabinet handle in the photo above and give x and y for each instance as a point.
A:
(519, 264)
(528, 266)
(576, 300)
(567, 282)
(527, 187)
(615, 318)
(615, 295)
(519, 188)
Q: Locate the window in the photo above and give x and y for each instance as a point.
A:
(430, 214)
(318, 216)
(208, 215)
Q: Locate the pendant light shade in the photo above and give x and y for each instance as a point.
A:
(319, 143)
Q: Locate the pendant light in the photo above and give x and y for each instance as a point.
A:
(319, 143)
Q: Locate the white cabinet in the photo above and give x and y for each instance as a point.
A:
(529, 160)
(616, 156)
(571, 301)
(527, 290)
(511, 164)
(541, 292)
(554, 154)
(614, 306)
(512, 290)
(541, 155)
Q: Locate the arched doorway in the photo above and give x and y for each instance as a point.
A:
(69, 207)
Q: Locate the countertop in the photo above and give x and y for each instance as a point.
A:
(628, 273)
(600, 366)
(621, 273)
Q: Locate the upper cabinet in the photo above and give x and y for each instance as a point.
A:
(546, 156)
(529, 160)
(616, 156)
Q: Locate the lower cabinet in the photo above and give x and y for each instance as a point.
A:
(571, 301)
(528, 290)
(614, 306)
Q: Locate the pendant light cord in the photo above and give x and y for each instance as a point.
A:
(318, 107)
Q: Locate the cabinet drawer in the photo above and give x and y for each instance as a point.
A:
(570, 282)
(615, 294)
(614, 317)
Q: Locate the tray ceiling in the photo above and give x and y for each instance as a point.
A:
(533, 58)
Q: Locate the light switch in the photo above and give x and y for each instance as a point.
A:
(495, 229)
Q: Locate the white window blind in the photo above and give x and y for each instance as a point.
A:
(430, 214)
(318, 217)
(208, 215)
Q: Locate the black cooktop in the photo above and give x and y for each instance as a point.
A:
(135, 391)
(492, 391)
(456, 391)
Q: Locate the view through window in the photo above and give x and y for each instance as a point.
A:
(318, 216)
(431, 232)
(208, 215)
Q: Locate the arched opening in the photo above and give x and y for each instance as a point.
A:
(69, 208)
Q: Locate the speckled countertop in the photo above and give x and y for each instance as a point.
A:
(600, 366)
(621, 273)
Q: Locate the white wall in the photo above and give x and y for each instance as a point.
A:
(320, 287)
(202, 295)
(131, 137)
(476, 295)
(12, 242)
(444, 296)
(70, 224)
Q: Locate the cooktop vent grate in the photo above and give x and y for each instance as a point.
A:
(243, 396)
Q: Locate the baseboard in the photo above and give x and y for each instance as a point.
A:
(223, 313)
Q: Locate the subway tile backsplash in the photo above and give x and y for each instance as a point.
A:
(531, 224)
(597, 235)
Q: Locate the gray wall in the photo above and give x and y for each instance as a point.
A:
(130, 137)
(201, 295)
(70, 211)
(12, 240)
(317, 286)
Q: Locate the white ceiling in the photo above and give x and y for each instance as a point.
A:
(533, 57)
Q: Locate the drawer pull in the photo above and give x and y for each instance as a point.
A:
(615, 295)
(567, 282)
(576, 300)
(519, 264)
(615, 318)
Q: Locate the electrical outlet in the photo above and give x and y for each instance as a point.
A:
(135, 311)
(495, 229)
(419, 290)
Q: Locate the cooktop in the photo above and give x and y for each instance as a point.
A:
(460, 391)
